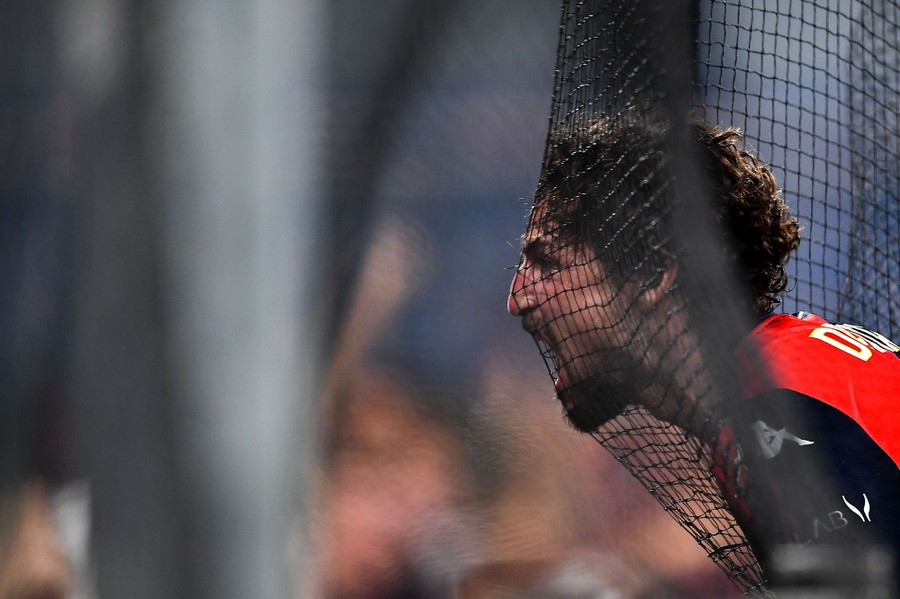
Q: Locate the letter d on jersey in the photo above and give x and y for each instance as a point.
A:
(833, 336)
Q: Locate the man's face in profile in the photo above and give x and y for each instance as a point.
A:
(584, 321)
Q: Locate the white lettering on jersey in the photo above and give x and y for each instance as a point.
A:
(845, 341)
(818, 527)
(836, 520)
(864, 514)
(876, 340)
(854, 340)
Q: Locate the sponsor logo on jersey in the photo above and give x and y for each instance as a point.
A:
(771, 441)
(864, 514)
(836, 519)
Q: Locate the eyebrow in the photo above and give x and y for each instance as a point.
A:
(529, 245)
(545, 243)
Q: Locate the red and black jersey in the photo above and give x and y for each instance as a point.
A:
(851, 369)
(820, 435)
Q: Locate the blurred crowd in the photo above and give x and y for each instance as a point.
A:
(503, 501)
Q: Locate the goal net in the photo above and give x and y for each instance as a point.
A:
(640, 304)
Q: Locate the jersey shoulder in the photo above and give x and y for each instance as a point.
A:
(852, 369)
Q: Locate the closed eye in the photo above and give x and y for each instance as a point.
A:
(544, 253)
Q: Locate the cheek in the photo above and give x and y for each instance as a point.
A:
(594, 301)
(608, 317)
(578, 318)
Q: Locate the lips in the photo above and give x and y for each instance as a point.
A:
(561, 382)
(558, 374)
(563, 393)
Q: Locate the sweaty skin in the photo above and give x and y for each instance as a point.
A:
(612, 341)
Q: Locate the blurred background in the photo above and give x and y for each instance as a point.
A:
(255, 258)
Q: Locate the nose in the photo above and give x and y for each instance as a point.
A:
(521, 291)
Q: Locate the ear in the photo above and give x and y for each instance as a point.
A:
(662, 283)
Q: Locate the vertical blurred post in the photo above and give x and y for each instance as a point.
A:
(31, 208)
(237, 120)
(194, 348)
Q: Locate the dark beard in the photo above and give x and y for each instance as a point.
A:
(596, 402)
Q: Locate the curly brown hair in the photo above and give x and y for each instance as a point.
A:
(608, 184)
(753, 212)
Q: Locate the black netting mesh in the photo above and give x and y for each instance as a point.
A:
(813, 85)
(634, 295)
